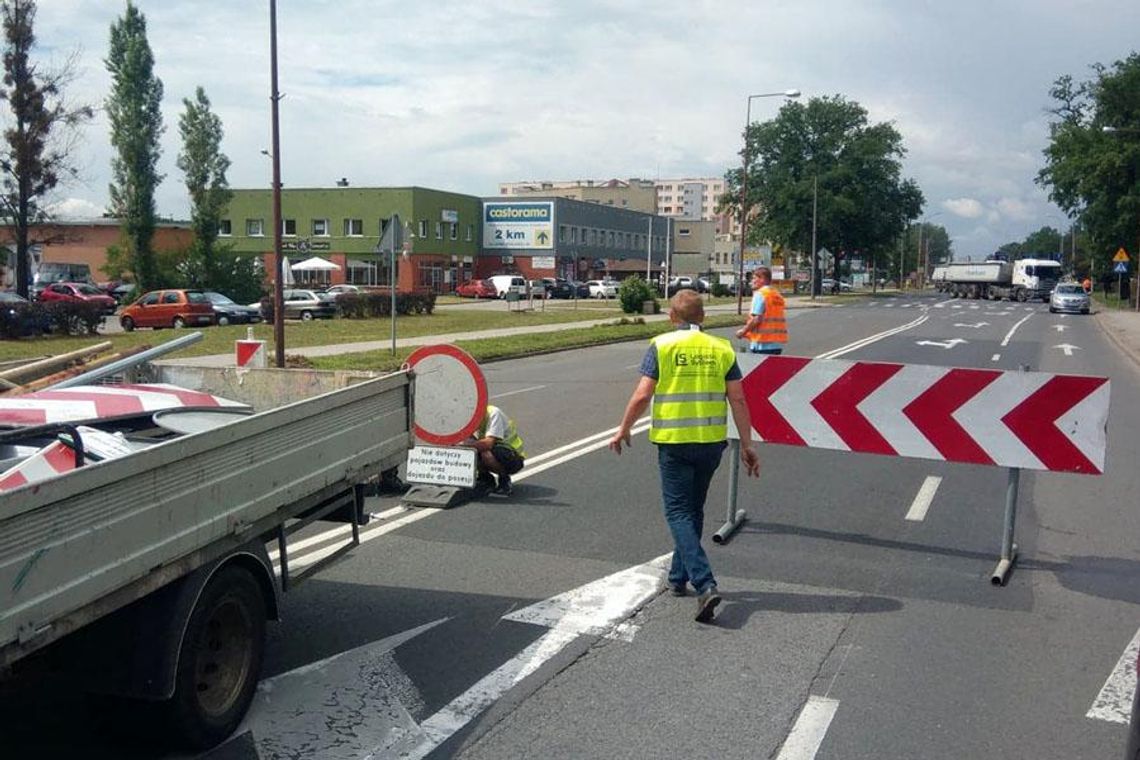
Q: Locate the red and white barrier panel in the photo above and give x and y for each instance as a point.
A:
(1032, 420)
(250, 354)
(95, 402)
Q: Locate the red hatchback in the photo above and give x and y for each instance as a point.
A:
(168, 308)
(80, 292)
(476, 289)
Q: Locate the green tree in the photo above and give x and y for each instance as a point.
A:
(863, 202)
(39, 135)
(204, 166)
(134, 111)
(1092, 162)
(1042, 243)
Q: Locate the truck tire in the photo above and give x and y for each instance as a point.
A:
(1022, 296)
(219, 661)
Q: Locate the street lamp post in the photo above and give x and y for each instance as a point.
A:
(923, 254)
(275, 155)
(744, 192)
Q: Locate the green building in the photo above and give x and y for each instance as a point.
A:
(343, 226)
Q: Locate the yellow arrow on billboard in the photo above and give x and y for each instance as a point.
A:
(1121, 255)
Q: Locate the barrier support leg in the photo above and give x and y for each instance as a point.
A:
(735, 517)
(1008, 547)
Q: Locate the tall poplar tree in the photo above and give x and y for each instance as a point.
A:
(133, 108)
(39, 133)
(204, 166)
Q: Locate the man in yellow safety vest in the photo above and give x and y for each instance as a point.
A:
(500, 450)
(692, 379)
(766, 328)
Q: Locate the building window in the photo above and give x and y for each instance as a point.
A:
(470, 232)
(593, 237)
(562, 233)
(320, 228)
(454, 231)
(684, 231)
(225, 229)
(254, 227)
(611, 240)
(423, 228)
(353, 227)
(573, 234)
(289, 227)
(439, 230)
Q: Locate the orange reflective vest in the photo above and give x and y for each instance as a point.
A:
(773, 327)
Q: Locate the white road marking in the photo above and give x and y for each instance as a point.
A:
(1012, 330)
(1059, 328)
(328, 535)
(995, 357)
(940, 343)
(520, 390)
(810, 728)
(348, 706)
(923, 499)
(1114, 702)
(979, 324)
(1068, 348)
(570, 615)
(835, 353)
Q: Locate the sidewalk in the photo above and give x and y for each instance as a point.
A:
(227, 360)
(1122, 326)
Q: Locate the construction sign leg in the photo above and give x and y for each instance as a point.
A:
(1008, 547)
(735, 516)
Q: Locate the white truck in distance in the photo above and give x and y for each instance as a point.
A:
(1021, 280)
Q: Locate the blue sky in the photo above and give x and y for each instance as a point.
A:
(464, 95)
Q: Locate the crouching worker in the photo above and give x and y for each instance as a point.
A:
(500, 451)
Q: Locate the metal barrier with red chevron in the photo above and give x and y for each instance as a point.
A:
(1014, 419)
(1030, 420)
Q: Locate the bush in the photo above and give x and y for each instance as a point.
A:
(633, 292)
(73, 317)
(719, 290)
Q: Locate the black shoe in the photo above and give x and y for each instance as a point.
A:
(706, 605)
(485, 483)
(678, 589)
(504, 488)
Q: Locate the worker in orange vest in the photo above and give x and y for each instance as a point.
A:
(1086, 284)
(766, 329)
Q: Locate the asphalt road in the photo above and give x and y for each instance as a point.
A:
(848, 630)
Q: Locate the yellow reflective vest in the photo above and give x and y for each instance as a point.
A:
(512, 438)
(689, 404)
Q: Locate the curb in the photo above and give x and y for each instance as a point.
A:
(1116, 341)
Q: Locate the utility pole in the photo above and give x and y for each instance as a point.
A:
(278, 280)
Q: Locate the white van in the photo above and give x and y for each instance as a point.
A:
(507, 283)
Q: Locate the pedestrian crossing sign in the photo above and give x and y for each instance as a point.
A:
(1120, 268)
(1121, 255)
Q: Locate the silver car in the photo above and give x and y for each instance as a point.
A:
(1069, 297)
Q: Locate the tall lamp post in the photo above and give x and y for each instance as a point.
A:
(923, 254)
(744, 192)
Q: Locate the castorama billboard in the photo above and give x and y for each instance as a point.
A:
(518, 225)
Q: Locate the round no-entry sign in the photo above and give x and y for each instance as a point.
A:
(451, 394)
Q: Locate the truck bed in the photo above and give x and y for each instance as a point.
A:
(81, 545)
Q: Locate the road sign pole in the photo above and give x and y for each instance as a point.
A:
(1008, 547)
(735, 517)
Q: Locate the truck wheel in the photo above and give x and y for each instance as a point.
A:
(220, 659)
(1022, 296)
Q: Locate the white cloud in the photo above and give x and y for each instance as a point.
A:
(967, 208)
(1015, 209)
(75, 208)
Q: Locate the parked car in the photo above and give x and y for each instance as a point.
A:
(226, 311)
(507, 283)
(118, 290)
(476, 289)
(344, 287)
(830, 285)
(308, 305)
(566, 289)
(602, 288)
(78, 292)
(19, 312)
(168, 308)
(540, 288)
(1070, 297)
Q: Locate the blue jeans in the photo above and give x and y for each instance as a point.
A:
(686, 471)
